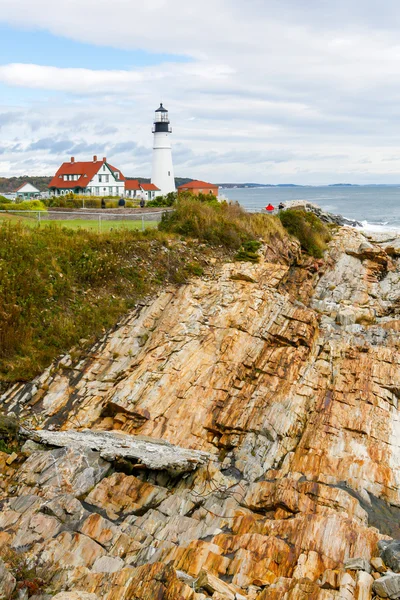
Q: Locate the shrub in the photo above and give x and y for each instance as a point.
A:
(4, 200)
(25, 205)
(218, 223)
(167, 200)
(311, 232)
(248, 251)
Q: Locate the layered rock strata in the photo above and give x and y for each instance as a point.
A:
(281, 381)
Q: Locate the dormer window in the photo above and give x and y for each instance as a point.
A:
(116, 174)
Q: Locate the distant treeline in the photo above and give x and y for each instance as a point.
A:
(8, 185)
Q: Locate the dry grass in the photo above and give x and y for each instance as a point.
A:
(223, 224)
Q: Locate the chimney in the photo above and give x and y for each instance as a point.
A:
(104, 159)
(94, 158)
(72, 159)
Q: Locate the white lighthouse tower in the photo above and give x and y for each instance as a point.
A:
(162, 172)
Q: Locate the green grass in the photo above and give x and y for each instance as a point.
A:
(59, 285)
(88, 224)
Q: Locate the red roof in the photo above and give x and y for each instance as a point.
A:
(86, 170)
(149, 187)
(194, 185)
(132, 184)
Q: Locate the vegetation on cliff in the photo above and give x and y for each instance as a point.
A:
(59, 286)
(223, 224)
(311, 232)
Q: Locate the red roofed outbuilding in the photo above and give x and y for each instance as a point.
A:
(198, 187)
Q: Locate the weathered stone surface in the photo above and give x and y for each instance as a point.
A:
(213, 585)
(154, 454)
(121, 494)
(286, 375)
(75, 596)
(391, 555)
(62, 471)
(108, 564)
(387, 586)
(378, 564)
(357, 564)
(7, 582)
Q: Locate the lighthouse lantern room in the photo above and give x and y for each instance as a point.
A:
(162, 173)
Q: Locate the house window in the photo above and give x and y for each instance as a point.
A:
(99, 178)
(116, 175)
(104, 167)
(97, 191)
(110, 192)
(107, 178)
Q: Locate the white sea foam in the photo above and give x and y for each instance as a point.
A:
(378, 227)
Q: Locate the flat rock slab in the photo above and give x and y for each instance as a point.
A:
(387, 586)
(154, 454)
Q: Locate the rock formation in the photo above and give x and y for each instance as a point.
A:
(244, 440)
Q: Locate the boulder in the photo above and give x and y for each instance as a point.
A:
(390, 555)
(378, 564)
(357, 564)
(387, 586)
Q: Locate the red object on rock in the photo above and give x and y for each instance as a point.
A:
(270, 207)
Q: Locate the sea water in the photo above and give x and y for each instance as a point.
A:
(377, 207)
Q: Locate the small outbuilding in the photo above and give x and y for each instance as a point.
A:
(199, 187)
(27, 191)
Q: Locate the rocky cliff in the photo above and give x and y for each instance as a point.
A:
(236, 437)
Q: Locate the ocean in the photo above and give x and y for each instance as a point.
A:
(377, 208)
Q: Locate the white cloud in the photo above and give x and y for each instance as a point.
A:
(274, 90)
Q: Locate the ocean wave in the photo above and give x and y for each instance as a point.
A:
(378, 227)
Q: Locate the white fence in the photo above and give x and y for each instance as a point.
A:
(101, 219)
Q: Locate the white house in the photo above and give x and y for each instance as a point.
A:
(98, 178)
(27, 191)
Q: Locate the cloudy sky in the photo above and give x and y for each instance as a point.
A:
(267, 91)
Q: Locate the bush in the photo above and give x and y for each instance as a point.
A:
(311, 232)
(4, 200)
(25, 205)
(167, 200)
(248, 251)
(73, 201)
(219, 224)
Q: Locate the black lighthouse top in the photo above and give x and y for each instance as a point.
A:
(161, 120)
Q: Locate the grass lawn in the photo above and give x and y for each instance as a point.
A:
(89, 224)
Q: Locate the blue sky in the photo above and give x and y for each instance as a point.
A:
(263, 90)
(43, 48)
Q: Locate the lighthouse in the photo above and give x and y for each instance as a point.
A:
(162, 172)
